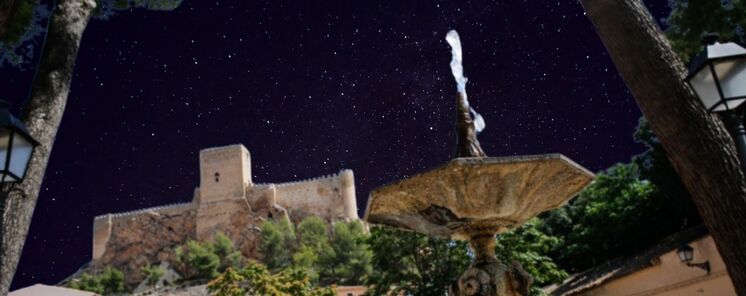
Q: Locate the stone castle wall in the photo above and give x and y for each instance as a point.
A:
(330, 197)
(132, 240)
(225, 202)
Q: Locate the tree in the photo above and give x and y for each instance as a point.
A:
(408, 263)
(696, 142)
(255, 279)
(112, 280)
(198, 259)
(42, 117)
(152, 274)
(21, 23)
(690, 20)
(278, 243)
(46, 102)
(350, 261)
(109, 281)
(670, 192)
(314, 243)
(530, 245)
(227, 284)
(223, 247)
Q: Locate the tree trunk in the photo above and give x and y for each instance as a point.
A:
(696, 142)
(42, 116)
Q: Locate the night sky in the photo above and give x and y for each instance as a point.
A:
(311, 88)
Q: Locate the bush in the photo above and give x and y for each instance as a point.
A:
(152, 274)
(256, 279)
(110, 281)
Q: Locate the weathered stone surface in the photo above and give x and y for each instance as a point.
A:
(146, 238)
(481, 195)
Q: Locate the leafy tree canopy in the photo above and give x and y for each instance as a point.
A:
(409, 263)
(21, 33)
(205, 260)
(338, 255)
(255, 279)
(690, 20)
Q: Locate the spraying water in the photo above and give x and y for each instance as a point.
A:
(457, 69)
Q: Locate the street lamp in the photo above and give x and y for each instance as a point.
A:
(718, 76)
(686, 254)
(16, 145)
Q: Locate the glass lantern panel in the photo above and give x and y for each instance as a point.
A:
(4, 142)
(20, 155)
(703, 84)
(732, 75)
(732, 104)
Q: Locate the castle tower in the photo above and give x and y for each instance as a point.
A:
(347, 191)
(225, 172)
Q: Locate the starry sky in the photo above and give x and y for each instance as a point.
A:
(310, 88)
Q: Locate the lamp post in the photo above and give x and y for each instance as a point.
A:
(686, 255)
(718, 76)
(16, 146)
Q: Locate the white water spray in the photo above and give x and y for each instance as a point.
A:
(457, 69)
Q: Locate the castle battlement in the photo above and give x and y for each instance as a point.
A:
(227, 201)
(303, 182)
(173, 206)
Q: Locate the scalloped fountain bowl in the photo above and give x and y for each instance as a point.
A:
(471, 197)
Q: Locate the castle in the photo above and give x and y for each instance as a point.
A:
(226, 201)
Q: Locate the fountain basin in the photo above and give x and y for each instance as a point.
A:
(475, 196)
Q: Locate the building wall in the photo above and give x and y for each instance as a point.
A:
(669, 276)
(350, 290)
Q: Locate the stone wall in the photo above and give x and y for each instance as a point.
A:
(132, 240)
(330, 197)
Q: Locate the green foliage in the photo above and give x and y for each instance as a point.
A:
(255, 279)
(152, 274)
(409, 263)
(530, 245)
(690, 20)
(343, 258)
(350, 260)
(110, 281)
(313, 244)
(200, 260)
(18, 22)
(87, 282)
(224, 249)
(205, 260)
(23, 26)
(278, 243)
(612, 217)
(227, 284)
(26, 24)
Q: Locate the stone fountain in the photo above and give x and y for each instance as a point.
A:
(474, 197)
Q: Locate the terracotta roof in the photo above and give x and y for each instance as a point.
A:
(619, 267)
(45, 290)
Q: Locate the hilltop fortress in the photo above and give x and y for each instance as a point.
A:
(226, 201)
